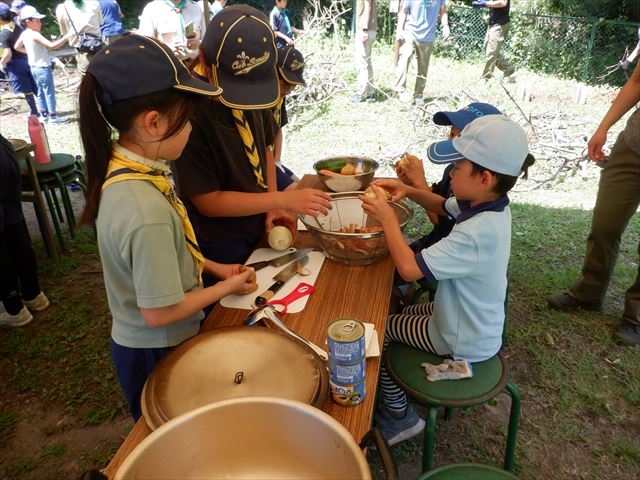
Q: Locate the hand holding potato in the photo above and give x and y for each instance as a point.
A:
(411, 171)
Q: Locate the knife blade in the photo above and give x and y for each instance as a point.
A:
(281, 260)
(281, 278)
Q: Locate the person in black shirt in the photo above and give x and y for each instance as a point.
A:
(495, 37)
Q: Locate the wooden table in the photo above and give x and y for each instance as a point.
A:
(341, 291)
(38, 202)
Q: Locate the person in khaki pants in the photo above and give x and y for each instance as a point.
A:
(618, 199)
(497, 31)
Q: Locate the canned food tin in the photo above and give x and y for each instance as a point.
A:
(347, 373)
(348, 395)
(345, 339)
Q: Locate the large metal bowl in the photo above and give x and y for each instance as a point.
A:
(256, 437)
(352, 248)
(346, 183)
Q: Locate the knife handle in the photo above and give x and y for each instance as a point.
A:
(268, 294)
(258, 265)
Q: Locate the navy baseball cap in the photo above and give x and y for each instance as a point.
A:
(461, 118)
(491, 141)
(135, 65)
(240, 47)
(4, 8)
(291, 65)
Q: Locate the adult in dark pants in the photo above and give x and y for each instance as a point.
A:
(18, 267)
(618, 199)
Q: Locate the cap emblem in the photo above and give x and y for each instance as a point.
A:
(245, 63)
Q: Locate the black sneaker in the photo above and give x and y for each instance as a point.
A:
(628, 333)
(565, 302)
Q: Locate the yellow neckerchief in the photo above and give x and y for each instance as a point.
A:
(277, 112)
(243, 130)
(249, 145)
(121, 168)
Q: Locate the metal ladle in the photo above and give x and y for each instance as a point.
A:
(267, 312)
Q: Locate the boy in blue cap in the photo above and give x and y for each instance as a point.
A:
(466, 319)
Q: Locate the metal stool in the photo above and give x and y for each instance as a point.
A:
(467, 471)
(489, 379)
(63, 170)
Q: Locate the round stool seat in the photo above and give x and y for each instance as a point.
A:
(403, 364)
(59, 162)
(467, 471)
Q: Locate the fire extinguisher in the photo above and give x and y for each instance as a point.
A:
(38, 137)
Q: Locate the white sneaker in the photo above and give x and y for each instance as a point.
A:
(41, 302)
(21, 318)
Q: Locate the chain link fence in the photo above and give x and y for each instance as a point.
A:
(583, 49)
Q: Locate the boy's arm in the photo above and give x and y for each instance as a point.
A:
(42, 40)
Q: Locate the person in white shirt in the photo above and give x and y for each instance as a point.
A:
(80, 16)
(179, 24)
(36, 46)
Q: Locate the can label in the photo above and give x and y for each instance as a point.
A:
(345, 339)
(348, 395)
(347, 373)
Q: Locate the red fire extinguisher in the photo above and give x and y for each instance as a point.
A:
(38, 137)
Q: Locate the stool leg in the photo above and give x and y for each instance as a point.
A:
(66, 201)
(429, 437)
(448, 413)
(56, 223)
(41, 217)
(514, 420)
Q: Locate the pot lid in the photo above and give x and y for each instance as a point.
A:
(232, 362)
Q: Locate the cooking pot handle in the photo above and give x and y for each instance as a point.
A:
(374, 436)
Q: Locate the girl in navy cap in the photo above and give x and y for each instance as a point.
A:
(151, 261)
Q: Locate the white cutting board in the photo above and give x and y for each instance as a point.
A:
(265, 280)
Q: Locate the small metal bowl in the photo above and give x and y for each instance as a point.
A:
(352, 248)
(337, 182)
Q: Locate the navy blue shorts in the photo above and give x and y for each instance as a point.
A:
(133, 367)
(20, 78)
(283, 177)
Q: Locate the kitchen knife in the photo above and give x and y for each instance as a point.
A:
(281, 260)
(281, 278)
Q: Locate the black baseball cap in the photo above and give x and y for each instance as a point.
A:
(291, 65)
(239, 45)
(135, 65)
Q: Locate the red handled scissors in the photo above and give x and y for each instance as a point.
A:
(300, 291)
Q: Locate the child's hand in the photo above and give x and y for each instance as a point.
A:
(378, 207)
(411, 171)
(397, 190)
(242, 280)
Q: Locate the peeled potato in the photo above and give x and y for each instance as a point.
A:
(370, 192)
(348, 169)
(280, 238)
(404, 160)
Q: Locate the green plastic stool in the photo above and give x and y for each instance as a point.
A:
(467, 471)
(63, 170)
(489, 379)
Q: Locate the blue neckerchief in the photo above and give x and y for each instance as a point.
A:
(178, 9)
(494, 206)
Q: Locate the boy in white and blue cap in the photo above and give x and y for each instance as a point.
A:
(466, 319)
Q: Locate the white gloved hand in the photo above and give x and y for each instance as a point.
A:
(448, 370)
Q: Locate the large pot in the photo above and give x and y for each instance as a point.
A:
(254, 437)
(233, 362)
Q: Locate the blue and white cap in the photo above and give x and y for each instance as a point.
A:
(494, 142)
(468, 114)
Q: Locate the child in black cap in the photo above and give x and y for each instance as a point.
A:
(290, 74)
(151, 261)
(226, 174)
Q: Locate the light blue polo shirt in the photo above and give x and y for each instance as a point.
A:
(422, 18)
(470, 265)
